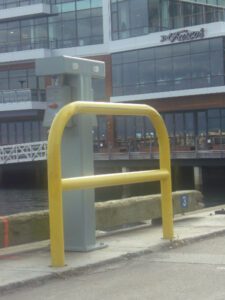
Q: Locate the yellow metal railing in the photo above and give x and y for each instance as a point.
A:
(56, 184)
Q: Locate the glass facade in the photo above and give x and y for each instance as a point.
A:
(21, 131)
(188, 130)
(19, 79)
(133, 18)
(220, 3)
(100, 134)
(180, 66)
(203, 129)
(77, 23)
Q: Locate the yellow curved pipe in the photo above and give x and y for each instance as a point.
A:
(56, 184)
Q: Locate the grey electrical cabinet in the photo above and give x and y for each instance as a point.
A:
(71, 80)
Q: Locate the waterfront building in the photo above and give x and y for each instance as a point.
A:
(165, 53)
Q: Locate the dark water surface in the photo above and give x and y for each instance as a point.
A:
(14, 201)
(22, 200)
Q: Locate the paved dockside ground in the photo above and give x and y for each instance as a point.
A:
(30, 263)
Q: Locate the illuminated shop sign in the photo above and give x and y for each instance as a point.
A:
(183, 36)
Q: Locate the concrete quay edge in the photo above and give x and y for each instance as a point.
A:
(31, 227)
(189, 228)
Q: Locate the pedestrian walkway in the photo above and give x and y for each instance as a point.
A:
(22, 265)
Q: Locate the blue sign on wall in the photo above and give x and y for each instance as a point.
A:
(184, 199)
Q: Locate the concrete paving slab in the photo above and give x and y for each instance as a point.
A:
(22, 265)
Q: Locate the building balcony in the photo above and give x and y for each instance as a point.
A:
(22, 9)
(17, 3)
(22, 99)
(27, 44)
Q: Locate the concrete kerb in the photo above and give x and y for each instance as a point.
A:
(62, 274)
(34, 226)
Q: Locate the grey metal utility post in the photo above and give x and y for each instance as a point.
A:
(72, 81)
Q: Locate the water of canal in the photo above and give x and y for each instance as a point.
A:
(20, 199)
(24, 200)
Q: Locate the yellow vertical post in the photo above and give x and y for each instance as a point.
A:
(55, 186)
(165, 184)
(55, 205)
(167, 210)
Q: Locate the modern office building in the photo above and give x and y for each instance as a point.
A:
(165, 53)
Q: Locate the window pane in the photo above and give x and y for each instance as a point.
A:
(130, 125)
(97, 27)
(130, 73)
(147, 71)
(4, 84)
(130, 56)
(83, 4)
(213, 113)
(164, 51)
(201, 120)
(200, 65)
(12, 133)
(146, 54)
(120, 128)
(19, 132)
(140, 127)
(169, 124)
(98, 86)
(27, 132)
(84, 28)
(154, 15)
(138, 16)
(117, 75)
(182, 67)
(123, 18)
(200, 46)
(68, 34)
(117, 58)
(164, 71)
(216, 44)
(35, 131)
(4, 134)
(213, 126)
(179, 124)
(102, 128)
(96, 3)
(181, 49)
(216, 63)
(149, 130)
(189, 123)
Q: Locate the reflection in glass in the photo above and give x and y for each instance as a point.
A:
(131, 17)
(168, 68)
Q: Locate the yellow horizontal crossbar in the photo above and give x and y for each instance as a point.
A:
(88, 182)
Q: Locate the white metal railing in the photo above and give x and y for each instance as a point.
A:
(23, 152)
(21, 95)
(9, 96)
